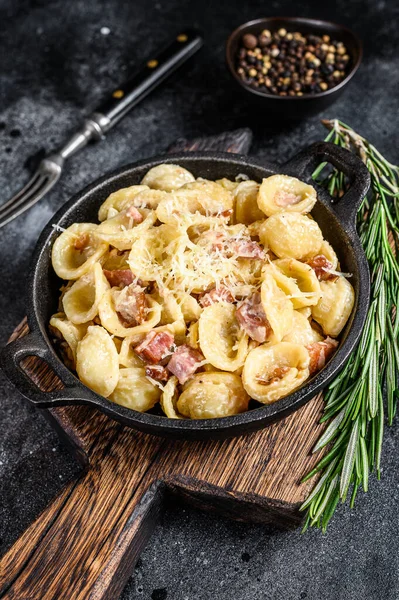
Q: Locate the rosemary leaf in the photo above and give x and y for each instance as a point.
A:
(354, 407)
(349, 460)
(330, 432)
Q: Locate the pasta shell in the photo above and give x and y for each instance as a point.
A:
(189, 306)
(68, 331)
(335, 305)
(167, 177)
(169, 398)
(221, 339)
(227, 184)
(302, 332)
(306, 311)
(134, 390)
(121, 232)
(81, 300)
(307, 292)
(153, 250)
(119, 200)
(277, 306)
(127, 356)
(274, 371)
(110, 320)
(328, 251)
(97, 361)
(213, 394)
(280, 193)
(76, 250)
(246, 207)
(193, 335)
(214, 197)
(291, 235)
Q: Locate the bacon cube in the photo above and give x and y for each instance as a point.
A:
(131, 305)
(157, 372)
(252, 318)
(119, 277)
(319, 353)
(220, 294)
(155, 346)
(184, 362)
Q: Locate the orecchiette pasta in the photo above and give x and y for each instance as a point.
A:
(76, 250)
(127, 356)
(69, 332)
(306, 289)
(210, 395)
(328, 251)
(245, 198)
(280, 193)
(221, 340)
(277, 306)
(167, 177)
(273, 371)
(169, 398)
(111, 320)
(82, 299)
(119, 200)
(97, 361)
(134, 390)
(121, 231)
(335, 305)
(193, 296)
(291, 235)
(228, 184)
(302, 332)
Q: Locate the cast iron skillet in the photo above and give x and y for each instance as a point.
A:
(336, 221)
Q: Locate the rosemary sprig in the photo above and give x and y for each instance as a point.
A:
(354, 403)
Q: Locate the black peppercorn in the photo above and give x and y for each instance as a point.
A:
(249, 41)
(291, 63)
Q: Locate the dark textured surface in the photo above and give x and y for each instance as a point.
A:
(54, 64)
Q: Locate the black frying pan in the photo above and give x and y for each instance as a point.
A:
(337, 223)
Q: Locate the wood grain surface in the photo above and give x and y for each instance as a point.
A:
(85, 544)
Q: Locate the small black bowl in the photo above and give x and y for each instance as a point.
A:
(294, 107)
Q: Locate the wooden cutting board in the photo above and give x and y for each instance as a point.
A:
(85, 544)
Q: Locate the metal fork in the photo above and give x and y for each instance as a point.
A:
(102, 120)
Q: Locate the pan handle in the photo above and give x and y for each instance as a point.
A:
(304, 164)
(33, 344)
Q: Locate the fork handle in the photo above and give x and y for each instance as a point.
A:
(126, 96)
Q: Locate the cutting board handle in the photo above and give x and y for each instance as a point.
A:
(86, 543)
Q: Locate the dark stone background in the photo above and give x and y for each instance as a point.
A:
(55, 65)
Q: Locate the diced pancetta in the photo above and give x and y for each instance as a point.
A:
(216, 240)
(131, 305)
(225, 213)
(155, 346)
(252, 318)
(184, 362)
(283, 199)
(246, 249)
(134, 214)
(157, 372)
(277, 374)
(321, 266)
(219, 294)
(81, 242)
(119, 277)
(319, 353)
